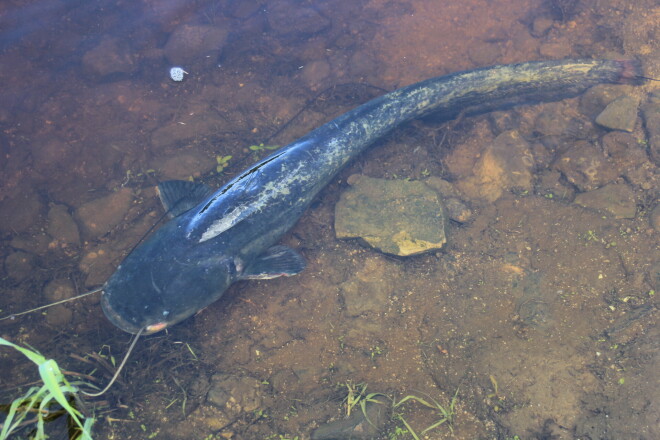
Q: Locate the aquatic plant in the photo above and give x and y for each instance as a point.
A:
(357, 396)
(262, 147)
(222, 163)
(53, 397)
(446, 415)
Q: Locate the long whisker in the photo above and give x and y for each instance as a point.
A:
(14, 315)
(121, 366)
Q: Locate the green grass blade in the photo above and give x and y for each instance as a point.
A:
(86, 433)
(8, 426)
(33, 356)
(433, 426)
(409, 428)
(54, 380)
(416, 399)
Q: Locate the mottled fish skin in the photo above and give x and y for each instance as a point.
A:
(190, 261)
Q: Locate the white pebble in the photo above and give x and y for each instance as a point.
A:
(176, 73)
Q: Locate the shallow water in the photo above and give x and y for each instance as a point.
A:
(540, 313)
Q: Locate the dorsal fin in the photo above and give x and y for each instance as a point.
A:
(178, 196)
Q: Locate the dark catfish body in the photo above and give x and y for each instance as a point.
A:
(217, 238)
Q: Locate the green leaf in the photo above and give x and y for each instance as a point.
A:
(33, 356)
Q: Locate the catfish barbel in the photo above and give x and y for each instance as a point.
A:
(216, 238)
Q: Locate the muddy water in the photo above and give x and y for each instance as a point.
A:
(540, 313)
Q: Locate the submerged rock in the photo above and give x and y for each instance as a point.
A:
(20, 212)
(362, 425)
(293, 19)
(99, 216)
(394, 216)
(369, 290)
(506, 164)
(586, 167)
(19, 265)
(57, 290)
(62, 227)
(651, 115)
(189, 43)
(234, 396)
(619, 114)
(110, 57)
(616, 199)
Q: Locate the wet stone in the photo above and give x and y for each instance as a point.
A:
(651, 115)
(101, 215)
(541, 26)
(37, 243)
(19, 265)
(457, 210)
(176, 135)
(394, 216)
(369, 290)
(505, 164)
(615, 199)
(557, 48)
(586, 167)
(110, 57)
(620, 114)
(289, 18)
(360, 424)
(57, 290)
(20, 213)
(629, 158)
(552, 123)
(235, 396)
(189, 43)
(550, 185)
(283, 380)
(61, 226)
(184, 165)
(98, 265)
(594, 100)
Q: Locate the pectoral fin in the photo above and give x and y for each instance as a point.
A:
(179, 196)
(278, 261)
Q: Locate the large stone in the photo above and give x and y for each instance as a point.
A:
(651, 115)
(20, 212)
(189, 43)
(61, 226)
(289, 18)
(586, 167)
(505, 164)
(99, 216)
(184, 165)
(234, 396)
(57, 290)
(395, 216)
(616, 199)
(619, 114)
(19, 266)
(110, 57)
(369, 290)
(594, 100)
(364, 422)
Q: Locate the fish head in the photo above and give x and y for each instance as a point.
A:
(160, 293)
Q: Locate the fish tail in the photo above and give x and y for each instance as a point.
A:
(631, 72)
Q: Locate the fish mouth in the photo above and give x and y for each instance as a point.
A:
(116, 319)
(154, 328)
